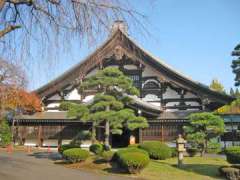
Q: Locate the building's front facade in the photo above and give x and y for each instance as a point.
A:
(166, 96)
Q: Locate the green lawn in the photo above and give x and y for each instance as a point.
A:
(202, 168)
(195, 168)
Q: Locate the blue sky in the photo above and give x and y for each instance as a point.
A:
(194, 37)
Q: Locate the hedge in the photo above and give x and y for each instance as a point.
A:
(76, 155)
(134, 162)
(66, 146)
(156, 149)
(133, 145)
(127, 150)
(107, 155)
(96, 148)
(233, 154)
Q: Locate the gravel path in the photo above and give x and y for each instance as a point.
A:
(20, 166)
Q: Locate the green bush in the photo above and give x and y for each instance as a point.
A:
(107, 155)
(5, 133)
(76, 155)
(233, 154)
(230, 173)
(133, 145)
(134, 162)
(174, 151)
(192, 151)
(66, 146)
(214, 147)
(127, 150)
(96, 148)
(156, 149)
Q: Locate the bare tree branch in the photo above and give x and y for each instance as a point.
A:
(8, 29)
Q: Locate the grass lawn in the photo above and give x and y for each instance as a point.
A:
(195, 168)
(202, 168)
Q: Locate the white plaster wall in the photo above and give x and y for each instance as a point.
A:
(192, 103)
(151, 97)
(190, 95)
(51, 105)
(172, 103)
(155, 103)
(55, 97)
(129, 67)
(53, 110)
(88, 99)
(170, 94)
(73, 95)
(171, 110)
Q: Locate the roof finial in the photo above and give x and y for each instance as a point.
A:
(119, 25)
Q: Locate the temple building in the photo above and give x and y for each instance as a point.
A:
(166, 98)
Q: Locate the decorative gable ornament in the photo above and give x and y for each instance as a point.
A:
(118, 53)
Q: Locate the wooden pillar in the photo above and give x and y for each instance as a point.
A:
(40, 136)
(60, 135)
(162, 134)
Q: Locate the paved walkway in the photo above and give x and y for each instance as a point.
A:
(20, 166)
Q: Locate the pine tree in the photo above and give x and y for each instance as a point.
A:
(236, 64)
(202, 128)
(217, 86)
(5, 133)
(237, 93)
(109, 104)
(232, 93)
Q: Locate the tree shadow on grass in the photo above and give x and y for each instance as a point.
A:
(211, 170)
(46, 155)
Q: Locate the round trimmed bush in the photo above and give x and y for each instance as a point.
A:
(156, 149)
(133, 145)
(66, 146)
(233, 154)
(76, 155)
(127, 150)
(134, 162)
(96, 148)
(107, 155)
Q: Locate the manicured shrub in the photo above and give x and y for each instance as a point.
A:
(76, 155)
(134, 162)
(174, 151)
(192, 151)
(233, 154)
(96, 148)
(230, 173)
(156, 149)
(107, 155)
(133, 145)
(67, 146)
(127, 150)
(214, 147)
(5, 133)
